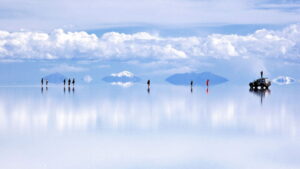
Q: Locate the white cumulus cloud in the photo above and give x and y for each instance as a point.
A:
(123, 74)
(112, 45)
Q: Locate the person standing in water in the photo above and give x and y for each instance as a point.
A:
(148, 83)
(64, 82)
(73, 82)
(207, 85)
(207, 82)
(46, 82)
(69, 82)
(192, 83)
(42, 82)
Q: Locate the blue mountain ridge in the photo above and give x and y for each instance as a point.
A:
(197, 78)
(55, 78)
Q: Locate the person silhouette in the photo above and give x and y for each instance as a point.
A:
(207, 82)
(46, 82)
(192, 83)
(261, 74)
(69, 82)
(73, 82)
(148, 89)
(64, 82)
(148, 83)
(42, 81)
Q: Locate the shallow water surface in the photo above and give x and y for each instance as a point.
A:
(111, 127)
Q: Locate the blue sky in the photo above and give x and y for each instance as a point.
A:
(94, 14)
(153, 39)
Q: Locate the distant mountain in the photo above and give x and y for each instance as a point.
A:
(123, 76)
(284, 80)
(55, 78)
(197, 78)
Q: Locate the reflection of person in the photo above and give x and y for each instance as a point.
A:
(261, 74)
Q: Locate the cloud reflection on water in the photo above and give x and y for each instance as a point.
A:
(161, 111)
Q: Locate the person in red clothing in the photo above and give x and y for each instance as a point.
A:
(207, 82)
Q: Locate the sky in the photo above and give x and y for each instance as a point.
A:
(153, 39)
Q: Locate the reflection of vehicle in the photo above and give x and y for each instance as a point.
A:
(263, 83)
(260, 93)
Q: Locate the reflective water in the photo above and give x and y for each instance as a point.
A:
(111, 127)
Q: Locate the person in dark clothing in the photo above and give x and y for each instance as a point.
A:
(261, 74)
(73, 82)
(148, 83)
(64, 82)
(46, 82)
(192, 83)
(69, 82)
(42, 81)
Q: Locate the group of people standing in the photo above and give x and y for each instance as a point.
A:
(42, 82)
(69, 82)
(65, 81)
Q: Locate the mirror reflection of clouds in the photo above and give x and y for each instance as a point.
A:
(164, 109)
